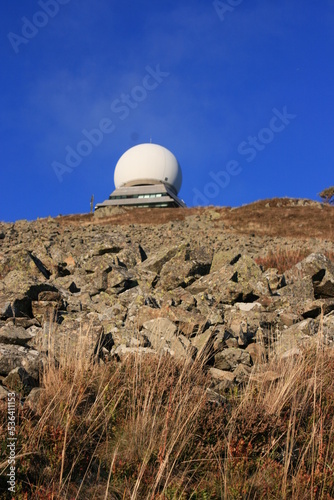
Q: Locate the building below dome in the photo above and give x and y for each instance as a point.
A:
(147, 175)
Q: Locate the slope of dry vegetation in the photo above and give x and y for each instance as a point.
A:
(145, 428)
(278, 217)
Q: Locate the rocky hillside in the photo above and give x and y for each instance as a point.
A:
(187, 282)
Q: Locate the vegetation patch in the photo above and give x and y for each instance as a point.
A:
(145, 428)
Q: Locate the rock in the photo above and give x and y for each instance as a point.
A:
(156, 262)
(247, 271)
(220, 375)
(327, 327)
(14, 335)
(14, 356)
(146, 313)
(80, 286)
(242, 374)
(14, 305)
(50, 297)
(298, 291)
(19, 380)
(320, 269)
(289, 318)
(245, 324)
(130, 257)
(119, 280)
(224, 380)
(3, 393)
(162, 327)
(204, 343)
(33, 399)
(230, 358)
(184, 268)
(294, 336)
(275, 280)
(22, 322)
(231, 342)
(313, 308)
(189, 323)
(241, 282)
(246, 307)
(76, 336)
(17, 291)
(257, 352)
(222, 258)
(44, 310)
(161, 334)
(122, 351)
(179, 297)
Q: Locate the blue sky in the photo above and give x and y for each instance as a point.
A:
(242, 92)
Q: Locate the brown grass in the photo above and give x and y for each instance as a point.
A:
(143, 429)
(283, 259)
(277, 217)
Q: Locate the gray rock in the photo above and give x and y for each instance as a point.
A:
(161, 333)
(320, 269)
(33, 399)
(156, 262)
(14, 335)
(20, 381)
(327, 327)
(230, 358)
(14, 356)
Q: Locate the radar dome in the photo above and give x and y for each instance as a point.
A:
(147, 164)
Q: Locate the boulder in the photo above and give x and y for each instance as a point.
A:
(221, 258)
(320, 269)
(162, 335)
(327, 327)
(298, 291)
(257, 352)
(155, 263)
(20, 381)
(14, 335)
(230, 358)
(33, 399)
(223, 380)
(76, 336)
(240, 282)
(119, 280)
(313, 308)
(15, 356)
(204, 343)
(185, 267)
(295, 336)
(275, 279)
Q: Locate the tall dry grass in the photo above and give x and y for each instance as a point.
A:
(143, 428)
(283, 259)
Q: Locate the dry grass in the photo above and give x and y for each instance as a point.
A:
(143, 428)
(283, 259)
(277, 217)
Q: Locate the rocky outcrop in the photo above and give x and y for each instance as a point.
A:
(185, 288)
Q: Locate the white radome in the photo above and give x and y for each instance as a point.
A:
(148, 162)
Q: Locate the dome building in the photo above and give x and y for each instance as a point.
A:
(147, 175)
